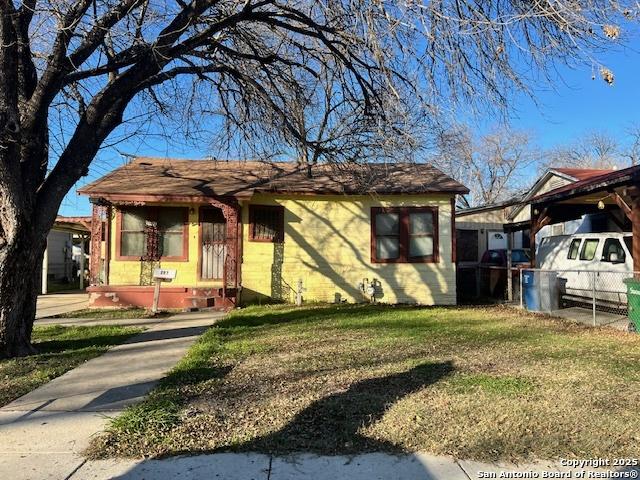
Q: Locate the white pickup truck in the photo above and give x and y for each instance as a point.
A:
(589, 261)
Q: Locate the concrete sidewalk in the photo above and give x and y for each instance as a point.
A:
(373, 466)
(59, 303)
(44, 432)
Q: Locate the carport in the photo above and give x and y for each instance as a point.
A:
(617, 193)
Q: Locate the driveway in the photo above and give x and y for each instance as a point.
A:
(58, 303)
(44, 432)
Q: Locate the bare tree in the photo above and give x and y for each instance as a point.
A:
(631, 150)
(72, 71)
(328, 126)
(495, 166)
(591, 150)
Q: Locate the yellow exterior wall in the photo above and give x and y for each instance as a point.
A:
(130, 272)
(327, 245)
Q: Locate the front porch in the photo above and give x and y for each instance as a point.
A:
(183, 298)
(198, 238)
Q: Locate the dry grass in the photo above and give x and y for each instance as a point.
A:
(485, 384)
(60, 349)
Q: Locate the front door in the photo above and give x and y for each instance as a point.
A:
(213, 250)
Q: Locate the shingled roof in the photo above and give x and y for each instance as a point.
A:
(190, 178)
(583, 173)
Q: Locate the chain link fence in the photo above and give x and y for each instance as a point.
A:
(592, 297)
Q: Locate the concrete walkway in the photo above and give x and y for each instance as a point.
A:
(43, 433)
(59, 303)
(585, 316)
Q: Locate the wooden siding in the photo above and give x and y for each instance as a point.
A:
(327, 246)
(495, 216)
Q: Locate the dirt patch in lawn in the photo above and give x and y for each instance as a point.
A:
(486, 384)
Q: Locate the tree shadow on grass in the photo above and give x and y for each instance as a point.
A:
(48, 347)
(332, 425)
(309, 314)
(193, 376)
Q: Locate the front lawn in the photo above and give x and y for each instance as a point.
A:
(486, 384)
(60, 349)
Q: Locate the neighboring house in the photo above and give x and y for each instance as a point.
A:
(59, 258)
(62, 259)
(238, 232)
(487, 227)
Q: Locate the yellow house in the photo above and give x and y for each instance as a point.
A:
(240, 232)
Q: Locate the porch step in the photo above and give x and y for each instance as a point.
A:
(206, 292)
(201, 301)
(209, 303)
(213, 292)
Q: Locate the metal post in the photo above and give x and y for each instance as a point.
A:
(299, 293)
(521, 288)
(593, 295)
(540, 275)
(156, 296)
(45, 269)
(81, 263)
(509, 265)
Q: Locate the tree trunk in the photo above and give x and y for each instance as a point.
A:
(20, 271)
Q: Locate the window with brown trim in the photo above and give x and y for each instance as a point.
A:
(132, 238)
(404, 235)
(135, 224)
(266, 223)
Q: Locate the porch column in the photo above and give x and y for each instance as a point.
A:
(231, 212)
(107, 243)
(97, 215)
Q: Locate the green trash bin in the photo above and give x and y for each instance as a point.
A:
(633, 303)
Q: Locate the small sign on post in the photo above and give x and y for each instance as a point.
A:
(161, 275)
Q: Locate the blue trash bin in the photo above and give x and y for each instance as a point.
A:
(540, 290)
(530, 290)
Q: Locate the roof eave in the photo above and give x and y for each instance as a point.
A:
(156, 198)
(633, 176)
(124, 197)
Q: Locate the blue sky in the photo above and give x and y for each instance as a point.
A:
(579, 104)
(575, 106)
